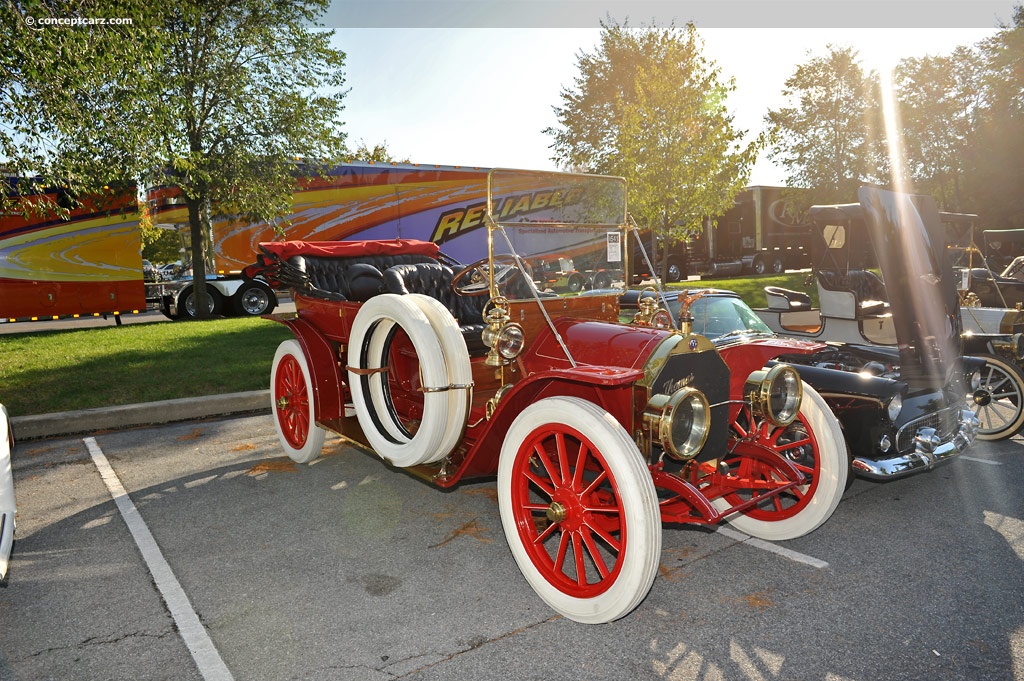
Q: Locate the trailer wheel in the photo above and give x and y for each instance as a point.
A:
(187, 308)
(760, 266)
(165, 310)
(999, 403)
(675, 272)
(602, 280)
(575, 282)
(253, 299)
(814, 443)
(778, 267)
(291, 401)
(579, 509)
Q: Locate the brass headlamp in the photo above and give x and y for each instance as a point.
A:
(775, 393)
(679, 422)
(504, 337)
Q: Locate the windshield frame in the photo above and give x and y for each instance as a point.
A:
(601, 210)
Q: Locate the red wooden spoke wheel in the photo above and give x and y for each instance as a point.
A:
(568, 511)
(814, 444)
(291, 398)
(579, 509)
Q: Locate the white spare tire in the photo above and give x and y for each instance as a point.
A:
(456, 360)
(443, 418)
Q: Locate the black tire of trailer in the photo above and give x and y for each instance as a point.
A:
(165, 309)
(602, 280)
(252, 299)
(778, 265)
(675, 271)
(187, 305)
(760, 265)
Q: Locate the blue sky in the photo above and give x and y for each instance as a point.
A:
(478, 95)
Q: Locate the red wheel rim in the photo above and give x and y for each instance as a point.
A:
(568, 511)
(292, 401)
(795, 442)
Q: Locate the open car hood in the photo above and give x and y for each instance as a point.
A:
(906, 241)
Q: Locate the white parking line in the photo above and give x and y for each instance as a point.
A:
(773, 548)
(210, 664)
(974, 458)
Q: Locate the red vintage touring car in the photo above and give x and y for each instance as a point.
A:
(598, 432)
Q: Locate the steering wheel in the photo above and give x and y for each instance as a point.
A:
(479, 282)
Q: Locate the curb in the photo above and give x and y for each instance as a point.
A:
(131, 415)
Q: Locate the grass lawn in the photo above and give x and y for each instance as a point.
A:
(751, 288)
(50, 371)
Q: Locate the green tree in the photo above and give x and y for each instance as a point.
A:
(648, 106)
(995, 156)
(378, 154)
(218, 98)
(828, 136)
(940, 99)
(53, 76)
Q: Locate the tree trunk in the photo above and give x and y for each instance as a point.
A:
(662, 255)
(198, 215)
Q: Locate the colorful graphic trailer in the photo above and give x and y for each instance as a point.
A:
(369, 201)
(88, 262)
(355, 200)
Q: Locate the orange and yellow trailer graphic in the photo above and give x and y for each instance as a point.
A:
(87, 263)
(91, 263)
(353, 200)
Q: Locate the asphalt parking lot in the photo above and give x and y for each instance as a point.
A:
(346, 569)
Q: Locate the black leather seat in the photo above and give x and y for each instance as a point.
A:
(347, 278)
(867, 288)
(434, 279)
(797, 300)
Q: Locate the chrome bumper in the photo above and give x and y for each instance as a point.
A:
(929, 450)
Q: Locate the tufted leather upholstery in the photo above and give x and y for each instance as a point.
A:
(434, 280)
(348, 278)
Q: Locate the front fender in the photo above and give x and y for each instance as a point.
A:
(744, 358)
(321, 355)
(607, 387)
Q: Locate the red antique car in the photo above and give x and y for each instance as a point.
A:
(598, 432)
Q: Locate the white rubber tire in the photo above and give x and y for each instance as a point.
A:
(377, 390)
(298, 449)
(367, 349)
(1004, 416)
(7, 506)
(636, 492)
(456, 360)
(833, 470)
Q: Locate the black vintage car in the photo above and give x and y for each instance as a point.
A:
(895, 421)
(903, 407)
(1005, 289)
(899, 289)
